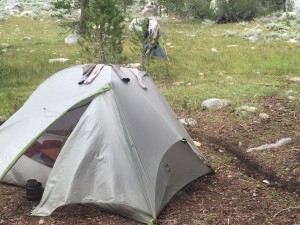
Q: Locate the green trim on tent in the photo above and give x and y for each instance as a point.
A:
(101, 91)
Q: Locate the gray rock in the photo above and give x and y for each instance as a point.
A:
(291, 98)
(215, 103)
(72, 39)
(295, 79)
(14, 12)
(46, 7)
(249, 109)
(29, 14)
(58, 60)
(252, 38)
(13, 4)
(264, 116)
(188, 121)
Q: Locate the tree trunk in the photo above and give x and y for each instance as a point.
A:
(101, 50)
(124, 5)
(160, 10)
(83, 17)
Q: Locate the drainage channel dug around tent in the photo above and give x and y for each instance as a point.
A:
(112, 143)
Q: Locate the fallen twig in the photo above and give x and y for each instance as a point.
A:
(289, 208)
(278, 144)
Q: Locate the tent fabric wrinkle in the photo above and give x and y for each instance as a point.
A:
(122, 146)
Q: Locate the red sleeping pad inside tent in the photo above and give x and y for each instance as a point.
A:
(49, 148)
(52, 153)
(51, 144)
(35, 148)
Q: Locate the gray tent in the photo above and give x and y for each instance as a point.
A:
(123, 148)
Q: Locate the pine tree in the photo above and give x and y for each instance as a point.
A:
(100, 27)
(103, 41)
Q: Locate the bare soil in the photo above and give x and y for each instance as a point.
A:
(261, 187)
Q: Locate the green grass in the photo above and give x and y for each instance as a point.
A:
(257, 68)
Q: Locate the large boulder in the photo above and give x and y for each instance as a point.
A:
(13, 5)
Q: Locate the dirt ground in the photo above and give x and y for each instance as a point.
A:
(260, 187)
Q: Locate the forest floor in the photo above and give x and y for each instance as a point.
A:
(259, 187)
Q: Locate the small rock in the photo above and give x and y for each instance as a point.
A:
(4, 44)
(188, 121)
(229, 78)
(58, 60)
(295, 79)
(254, 195)
(46, 7)
(266, 182)
(29, 14)
(135, 65)
(292, 41)
(264, 116)
(229, 176)
(214, 50)
(249, 109)
(26, 38)
(215, 103)
(41, 221)
(72, 39)
(191, 121)
(231, 46)
(182, 121)
(178, 83)
(295, 171)
(291, 98)
(197, 143)
(252, 38)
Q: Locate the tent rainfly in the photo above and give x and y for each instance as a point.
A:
(100, 135)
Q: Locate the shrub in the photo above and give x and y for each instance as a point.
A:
(197, 9)
(236, 10)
